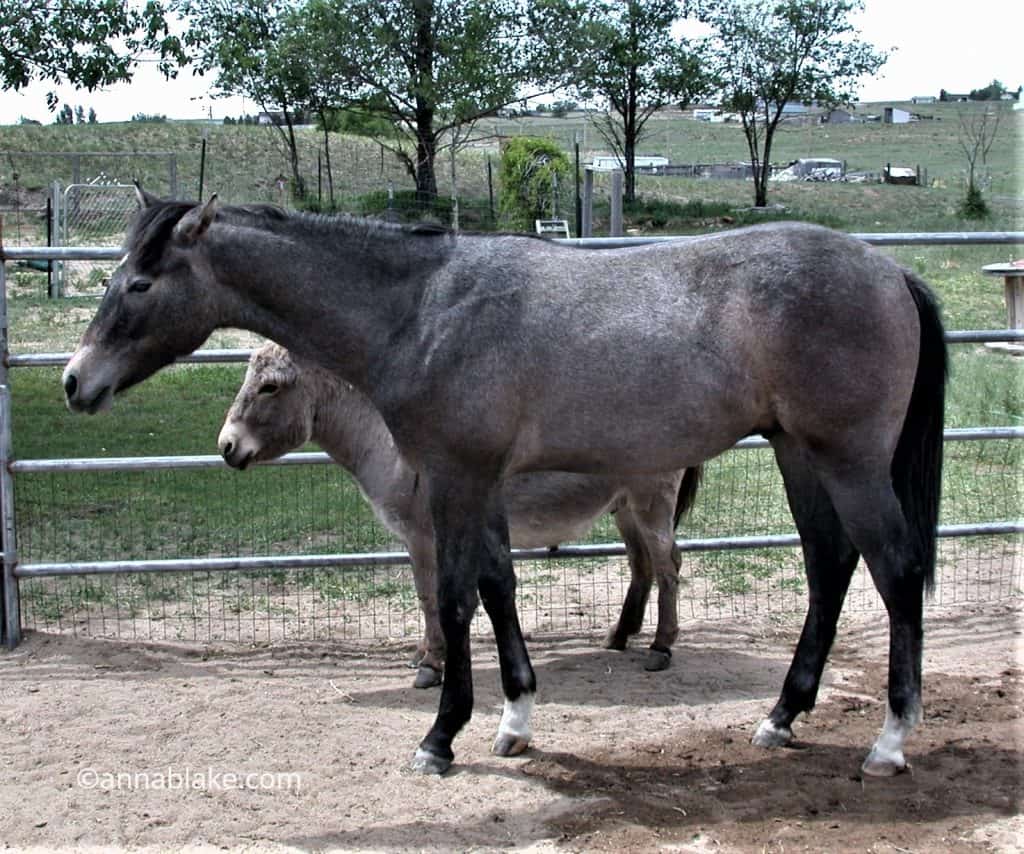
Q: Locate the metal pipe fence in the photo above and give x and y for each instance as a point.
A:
(324, 581)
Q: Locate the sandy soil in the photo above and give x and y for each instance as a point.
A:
(132, 745)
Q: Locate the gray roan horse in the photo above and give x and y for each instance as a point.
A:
(285, 402)
(489, 355)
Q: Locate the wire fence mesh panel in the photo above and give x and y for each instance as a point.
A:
(317, 509)
(92, 215)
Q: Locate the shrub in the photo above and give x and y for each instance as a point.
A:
(534, 172)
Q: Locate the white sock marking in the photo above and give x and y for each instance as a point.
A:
(515, 718)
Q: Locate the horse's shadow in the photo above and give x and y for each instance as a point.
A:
(811, 788)
(600, 677)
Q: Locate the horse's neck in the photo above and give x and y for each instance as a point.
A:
(350, 429)
(320, 298)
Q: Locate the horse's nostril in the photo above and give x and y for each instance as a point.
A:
(226, 449)
(70, 385)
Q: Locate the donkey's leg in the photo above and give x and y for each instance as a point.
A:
(429, 661)
(667, 570)
(519, 684)
(874, 520)
(459, 511)
(829, 558)
(631, 618)
(649, 535)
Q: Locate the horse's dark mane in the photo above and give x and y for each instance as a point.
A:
(156, 222)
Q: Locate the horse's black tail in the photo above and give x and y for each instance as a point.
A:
(687, 493)
(917, 464)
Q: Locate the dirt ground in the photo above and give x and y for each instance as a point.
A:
(114, 744)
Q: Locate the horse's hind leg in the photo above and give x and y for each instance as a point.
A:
(829, 558)
(872, 516)
(861, 491)
(649, 535)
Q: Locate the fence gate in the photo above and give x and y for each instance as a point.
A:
(94, 214)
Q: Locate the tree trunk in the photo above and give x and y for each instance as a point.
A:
(327, 156)
(293, 155)
(426, 154)
(426, 141)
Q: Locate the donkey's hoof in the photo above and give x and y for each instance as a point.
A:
(616, 640)
(884, 764)
(425, 762)
(657, 659)
(769, 735)
(427, 676)
(508, 744)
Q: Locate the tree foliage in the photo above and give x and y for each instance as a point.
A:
(88, 43)
(769, 53)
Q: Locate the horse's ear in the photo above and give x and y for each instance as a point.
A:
(193, 225)
(144, 199)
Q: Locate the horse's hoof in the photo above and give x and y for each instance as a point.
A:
(507, 744)
(879, 764)
(616, 641)
(769, 735)
(425, 762)
(657, 659)
(427, 677)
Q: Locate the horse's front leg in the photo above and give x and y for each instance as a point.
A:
(473, 550)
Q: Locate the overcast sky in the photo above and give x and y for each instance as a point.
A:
(938, 44)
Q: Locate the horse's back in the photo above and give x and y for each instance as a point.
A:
(658, 357)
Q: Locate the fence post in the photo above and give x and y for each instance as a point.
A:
(172, 175)
(616, 225)
(58, 266)
(9, 602)
(587, 227)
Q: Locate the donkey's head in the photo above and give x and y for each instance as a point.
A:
(157, 306)
(273, 412)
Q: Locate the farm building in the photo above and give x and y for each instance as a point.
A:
(610, 162)
(896, 116)
(923, 99)
(838, 117)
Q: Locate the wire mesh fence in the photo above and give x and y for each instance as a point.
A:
(317, 509)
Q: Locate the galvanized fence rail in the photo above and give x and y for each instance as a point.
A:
(13, 571)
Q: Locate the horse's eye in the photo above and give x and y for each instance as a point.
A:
(268, 388)
(139, 286)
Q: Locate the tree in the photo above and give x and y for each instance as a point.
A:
(993, 92)
(245, 42)
(977, 132)
(629, 57)
(80, 115)
(88, 43)
(768, 53)
(92, 116)
(65, 116)
(432, 67)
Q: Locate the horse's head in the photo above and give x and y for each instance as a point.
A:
(156, 307)
(272, 413)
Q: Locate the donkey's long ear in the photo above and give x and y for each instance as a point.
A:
(193, 225)
(144, 199)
